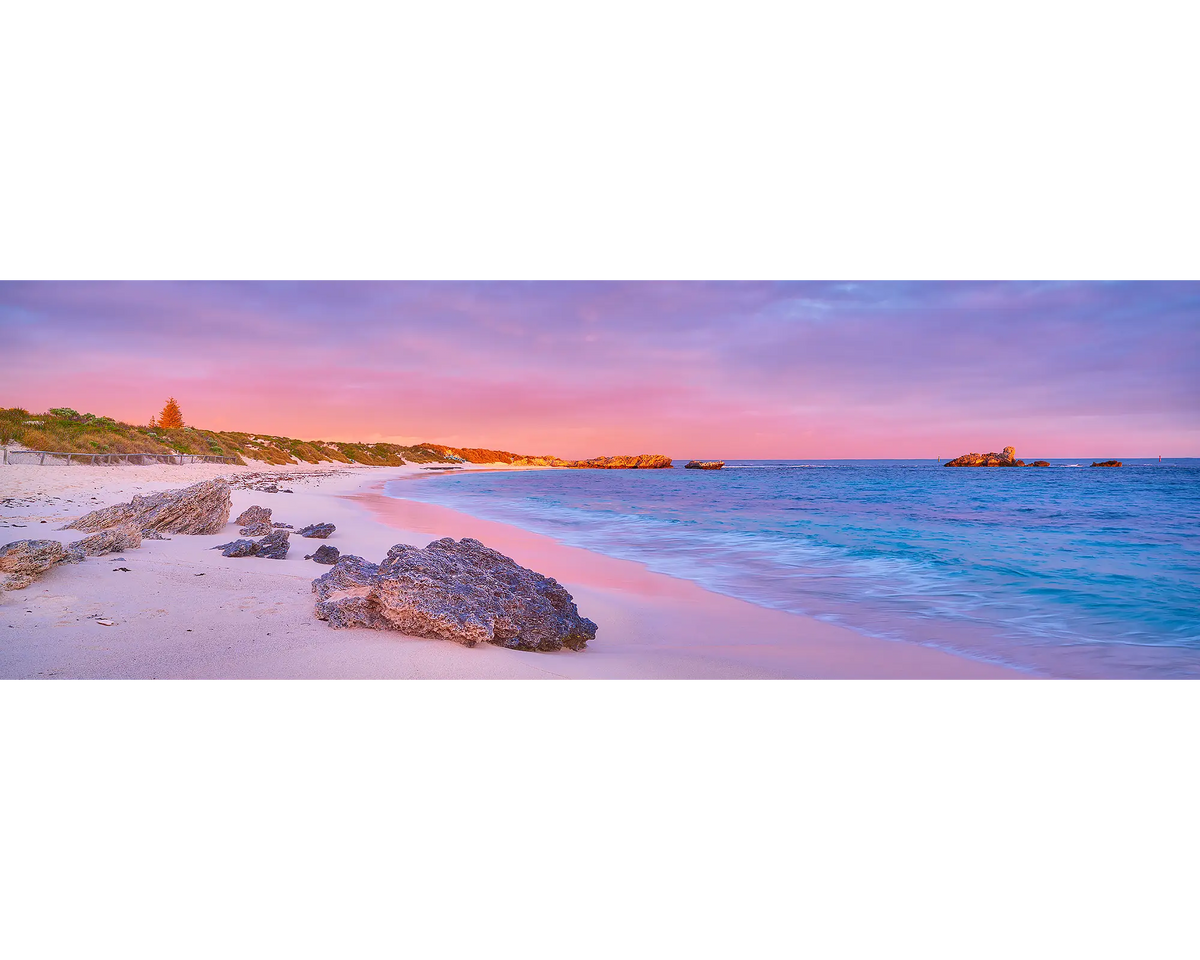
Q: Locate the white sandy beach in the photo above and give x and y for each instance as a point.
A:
(184, 611)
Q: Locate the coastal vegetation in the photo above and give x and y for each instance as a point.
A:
(65, 430)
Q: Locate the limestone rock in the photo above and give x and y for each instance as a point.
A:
(318, 530)
(704, 465)
(274, 546)
(26, 560)
(237, 548)
(325, 554)
(126, 536)
(202, 508)
(255, 521)
(1040, 463)
(460, 591)
(1107, 463)
(1006, 459)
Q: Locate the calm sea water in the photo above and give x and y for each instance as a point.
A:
(1062, 571)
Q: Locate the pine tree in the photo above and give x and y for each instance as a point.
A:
(171, 417)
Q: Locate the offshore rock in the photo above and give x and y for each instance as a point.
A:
(704, 465)
(274, 546)
(126, 536)
(325, 554)
(318, 530)
(1040, 463)
(1006, 459)
(460, 591)
(203, 508)
(255, 521)
(1107, 463)
(25, 560)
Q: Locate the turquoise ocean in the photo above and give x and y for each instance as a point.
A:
(1068, 570)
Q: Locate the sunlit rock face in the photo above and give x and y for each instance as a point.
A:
(200, 509)
(1007, 458)
(460, 591)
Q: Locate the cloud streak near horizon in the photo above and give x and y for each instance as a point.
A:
(732, 370)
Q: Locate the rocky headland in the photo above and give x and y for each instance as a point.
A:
(643, 461)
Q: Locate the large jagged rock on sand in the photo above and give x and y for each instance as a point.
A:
(704, 465)
(274, 546)
(1006, 459)
(255, 521)
(203, 508)
(325, 554)
(460, 591)
(25, 560)
(125, 536)
(320, 531)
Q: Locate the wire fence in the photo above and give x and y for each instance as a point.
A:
(56, 458)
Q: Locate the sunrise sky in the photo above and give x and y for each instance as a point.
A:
(734, 370)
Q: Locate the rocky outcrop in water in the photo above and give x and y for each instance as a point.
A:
(23, 561)
(325, 554)
(320, 531)
(1006, 459)
(203, 508)
(274, 546)
(643, 461)
(125, 536)
(1107, 463)
(1040, 463)
(460, 591)
(704, 465)
(255, 521)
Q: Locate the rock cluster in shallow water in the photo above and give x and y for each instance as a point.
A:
(460, 591)
(203, 508)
